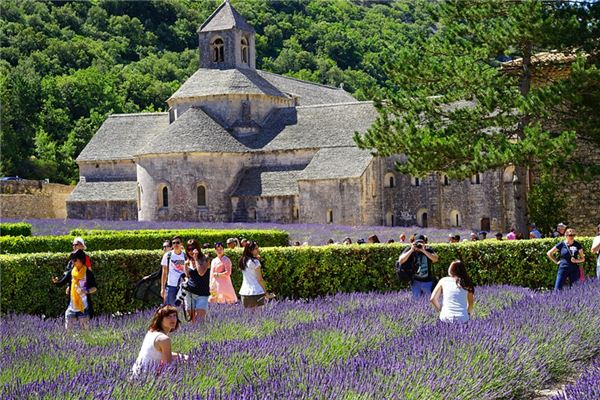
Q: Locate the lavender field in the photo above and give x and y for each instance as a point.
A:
(314, 234)
(347, 346)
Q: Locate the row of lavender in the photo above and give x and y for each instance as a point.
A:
(314, 234)
(587, 386)
(348, 346)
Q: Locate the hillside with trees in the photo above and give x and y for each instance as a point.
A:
(65, 66)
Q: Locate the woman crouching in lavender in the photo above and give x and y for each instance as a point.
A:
(458, 294)
(156, 347)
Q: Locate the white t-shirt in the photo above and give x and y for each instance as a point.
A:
(250, 285)
(594, 244)
(454, 301)
(176, 267)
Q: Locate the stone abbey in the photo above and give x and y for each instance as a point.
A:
(241, 144)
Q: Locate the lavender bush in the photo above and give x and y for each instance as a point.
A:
(347, 346)
(587, 386)
(314, 234)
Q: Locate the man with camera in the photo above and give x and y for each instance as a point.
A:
(420, 258)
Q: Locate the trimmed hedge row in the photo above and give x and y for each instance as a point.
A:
(291, 272)
(137, 241)
(15, 229)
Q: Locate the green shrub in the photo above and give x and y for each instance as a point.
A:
(15, 229)
(137, 241)
(292, 272)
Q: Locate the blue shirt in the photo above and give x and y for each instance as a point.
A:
(566, 252)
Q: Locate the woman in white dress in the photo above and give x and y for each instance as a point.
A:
(458, 294)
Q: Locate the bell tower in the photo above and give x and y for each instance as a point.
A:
(226, 40)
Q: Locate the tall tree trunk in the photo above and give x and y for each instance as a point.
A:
(521, 172)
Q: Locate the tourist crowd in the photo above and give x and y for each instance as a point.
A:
(188, 278)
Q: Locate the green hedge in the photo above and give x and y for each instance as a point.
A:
(137, 241)
(293, 272)
(15, 229)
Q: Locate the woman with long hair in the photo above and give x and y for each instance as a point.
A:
(197, 286)
(156, 347)
(458, 294)
(253, 290)
(221, 288)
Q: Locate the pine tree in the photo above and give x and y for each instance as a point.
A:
(454, 108)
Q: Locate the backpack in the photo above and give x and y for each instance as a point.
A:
(148, 288)
(405, 272)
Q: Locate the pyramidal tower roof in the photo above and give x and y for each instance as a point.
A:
(225, 17)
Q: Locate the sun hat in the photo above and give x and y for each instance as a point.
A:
(79, 240)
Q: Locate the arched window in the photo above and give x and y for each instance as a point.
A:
(446, 180)
(455, 218)
(422, 218)
(295, 213)
(389, 219)
(244, 48)
(252, 214)
(165, 197)
(218, 50)
(124, 214)
(88, 214)
(390, 180)
(485, 224)
(476, 179)
(415, 181)
(201, 195)
(330, 216)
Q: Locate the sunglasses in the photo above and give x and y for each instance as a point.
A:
(571, 235)
(176, 242)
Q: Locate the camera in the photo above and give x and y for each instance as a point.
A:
(180, 298)
(419, 245)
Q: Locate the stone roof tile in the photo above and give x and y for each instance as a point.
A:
(120, 136)
(193, 131)
(337, 163)
(269, 181)
(225, 17)
(309, 93)
(214, 82)
(104, 191)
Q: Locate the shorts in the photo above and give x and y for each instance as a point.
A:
(254, 300)
(77, 314)
(195, 302)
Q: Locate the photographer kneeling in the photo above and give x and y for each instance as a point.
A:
(420, 258)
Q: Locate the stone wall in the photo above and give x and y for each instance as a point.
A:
(118, 170)
(340, 196)
(33, 199)
(583, 197)
(106, 210)
(279, 209)
(220, 173)
(408, 200)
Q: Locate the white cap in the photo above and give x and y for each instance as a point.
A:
(79, 240)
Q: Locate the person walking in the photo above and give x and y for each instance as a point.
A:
(570, 254)
(197, 284)
(80, 283)
(458, 293)
(221, 288)
(253, 290)
(156, 347)
(596, 249)
(421, 259)
(172, 270)
(79, 244)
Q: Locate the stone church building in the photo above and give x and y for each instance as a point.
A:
(241, 144)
